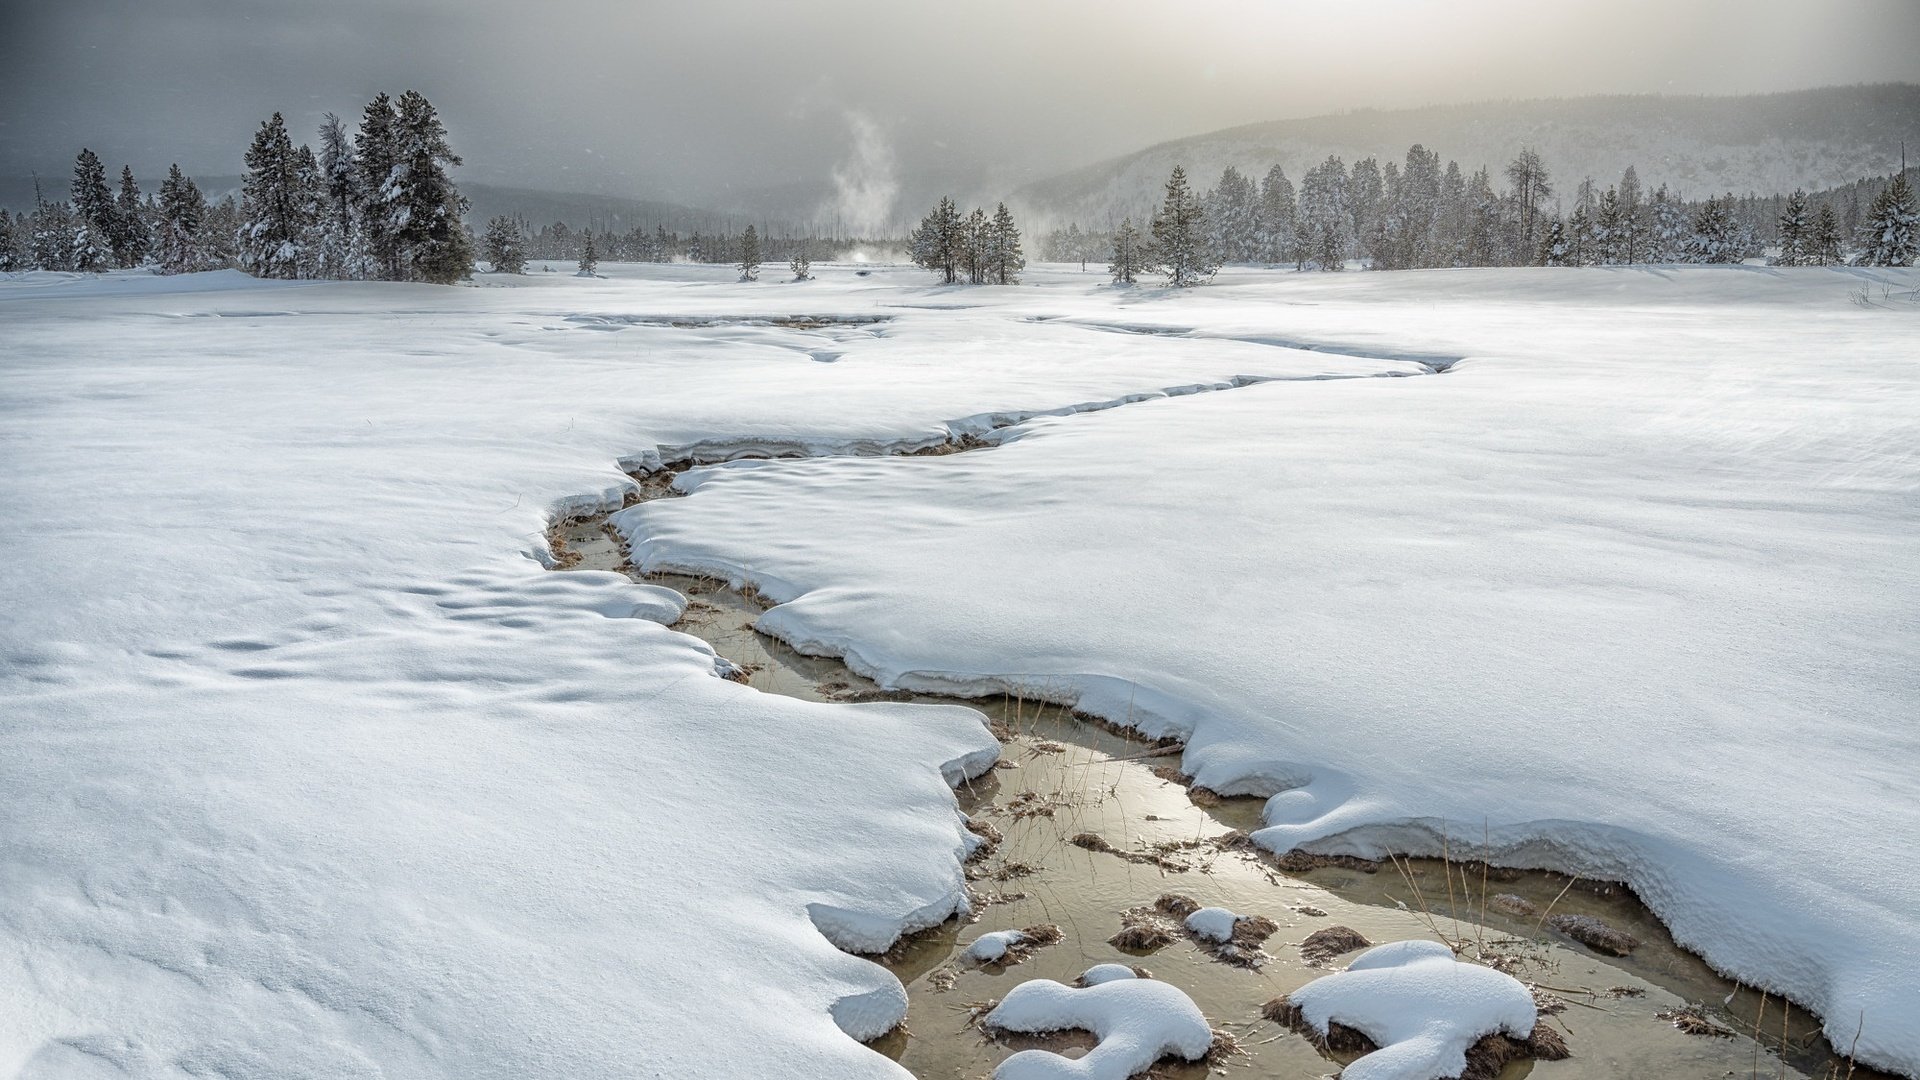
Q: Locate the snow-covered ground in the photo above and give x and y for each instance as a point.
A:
(312, 769)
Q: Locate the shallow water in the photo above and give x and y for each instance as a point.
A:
(1061, 776)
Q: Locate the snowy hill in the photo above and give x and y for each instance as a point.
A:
(1697, 145)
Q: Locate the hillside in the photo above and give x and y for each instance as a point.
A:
(1696, 145)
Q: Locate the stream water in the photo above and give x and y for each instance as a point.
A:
(1062, 777)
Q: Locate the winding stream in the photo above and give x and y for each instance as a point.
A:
(1064, 778)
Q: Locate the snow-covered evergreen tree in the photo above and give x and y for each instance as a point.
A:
(93, 215)
(506, 251)
(1005, 260)
(1180, 235)
(1130, 255)
(1232, 212)
(221, 249)
(10, 259)
(425, 206)
(273, 206)
(54, 237)
(1796, 228)
(1325, 221)
(1668, 228)
(376, 153)
(342, 253)
(1553, 245)
(1365, 190)
(1891, 235)
(749, 255)
(802, 262)
(1631, 225)
(1277, 210)
(1609, 239)
(1826, 238)
(1580, 233)
(937, 244)
(589, 257)
(183, 214)
(1717, 234)
(132, 236)
(973, 246)
(1487, 242)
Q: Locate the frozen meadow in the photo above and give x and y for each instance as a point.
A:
(312, 769)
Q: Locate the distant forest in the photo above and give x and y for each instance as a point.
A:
(381, 204)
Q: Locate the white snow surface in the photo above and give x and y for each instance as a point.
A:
(1632, 589)
(1212, 923)
(311, 768)
(1137, 1022)
(1420, 1006)
(1105, 973)
(993, 945)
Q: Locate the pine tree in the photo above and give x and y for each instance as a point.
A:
(1891, 236)
(1325, 221)
(1826, 238)
(1716, 234)
(1609, 240)
(1796, 233)
(938, 243)
(1180, 235)
(376, 153)
(1076, 245)
(1130, 256)
(1277, 209)
(973, 246)
(93, 215)
(749, 263)
(342, 251)
(132, 239)
(9, 244)
(505, 251)
(221, 249)
(1005, 260)
(434, 244)
(1365, 190)
(802, 264)
(589, 257)
(1580, 236)
(52, 235)
(183, 213)
(1232, 209)
(1669, 229)
(1553, 245)
(273, 206)
(1631, 225)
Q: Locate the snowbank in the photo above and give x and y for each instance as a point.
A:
(1631, 587)
(312, 768)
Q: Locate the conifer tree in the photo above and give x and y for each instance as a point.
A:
(1005, 260)
(426, 206)
(1826, 238)
(1553, 244)
(1668, 229)
(1796, 233)
(938, 244)
(1580, 236)
(376, 154)
(1277, 209)
(1891, 236)
(272, 205)
(802, 263)
(183, 213)
(221, 249)
(132, 237)
(1716, 234)
(93, 215)
(1130, 255)
(589, 257)
(749, 260)
(1325, 219)
(9, 244)
(1631, 224)
(342, 251)
(1180, 235)
(1232, 210)
(53, 236)
(1365, 189)
(973, 246)
(1609, 241)
(505, 251)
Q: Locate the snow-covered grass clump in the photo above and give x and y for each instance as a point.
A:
(1212, 924)
(1138, 1022)
(1419, 1005)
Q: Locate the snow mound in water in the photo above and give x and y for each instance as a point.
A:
(990, 947)
(1106, 973)
(1212, 923)
(1138, 1022)
(1421, 1006)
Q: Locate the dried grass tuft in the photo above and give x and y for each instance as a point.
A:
(1325, 944)
(1594, 934)
(1176, 905)
(1225, 1046)
(1250, 931)
(1517, 906)
(1693, 1020)
(1143, 930)
(1092, 841)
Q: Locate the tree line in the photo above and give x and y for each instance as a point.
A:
(1419, 214)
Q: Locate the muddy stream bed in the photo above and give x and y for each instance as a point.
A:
(1064, 780)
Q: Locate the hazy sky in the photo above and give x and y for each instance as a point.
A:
(686, 100)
